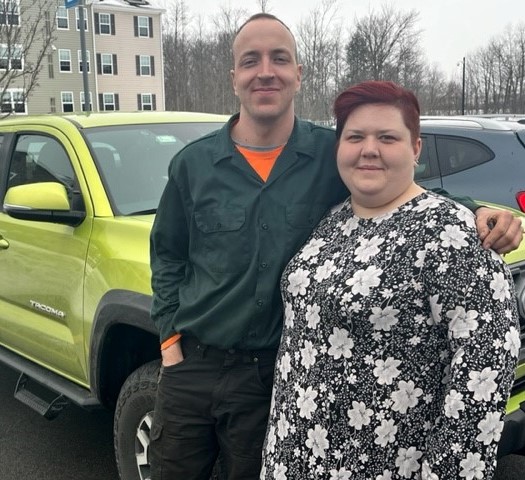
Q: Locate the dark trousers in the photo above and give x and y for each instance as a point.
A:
(213, 401)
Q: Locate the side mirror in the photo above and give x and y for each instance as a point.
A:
(43, 202)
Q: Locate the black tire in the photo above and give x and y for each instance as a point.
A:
(132, 422)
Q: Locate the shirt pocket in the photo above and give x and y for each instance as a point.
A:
(222, 241)
(301, 220)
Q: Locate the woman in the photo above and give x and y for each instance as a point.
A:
(401, 333)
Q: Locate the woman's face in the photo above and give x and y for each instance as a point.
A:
(376, 156)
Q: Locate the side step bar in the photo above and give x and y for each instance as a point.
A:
(48, 409)
(46, 384)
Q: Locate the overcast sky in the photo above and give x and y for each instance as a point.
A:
(451, 29)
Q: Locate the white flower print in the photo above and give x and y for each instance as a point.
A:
(270, 439)
(312, 248)
(289, 315)
(386, 475)
(364, 280)
(426, 472)
(482, 384)
(490, 428)
(341, 474)
(406, 396)
(386, 370)
(512, 342)
(465, 215)
(368, 248)
(298, 282)
(454, 404)
(325, 270)
(500, 286)
(407, 461)
(283, 426)
(472, 467)
(317, 441)
(350, 226)
(420, 255)
(279, 471)
(285, 366)
(453, 237)
(383, 318)
(340, 343)
(308, 354)
(435, 308)
(426, 203)
(359, 415)
(462, 322)
(312, 315)
(305, 402)
(386, 433)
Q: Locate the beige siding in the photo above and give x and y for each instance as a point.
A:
(52, 82)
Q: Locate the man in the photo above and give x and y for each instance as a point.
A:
(238, 204)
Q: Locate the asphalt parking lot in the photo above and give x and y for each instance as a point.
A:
(78, 444)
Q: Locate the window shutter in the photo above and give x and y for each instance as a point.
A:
(101, 102)
(115, 67)
(97, 25)
(137, 63)
(117, 105)
(154, 99)
(112, 24)
(139, 101)
(150, 27)
(152, 63)
(136, 25)
(99, 64)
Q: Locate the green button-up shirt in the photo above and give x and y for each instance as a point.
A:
(222, 236)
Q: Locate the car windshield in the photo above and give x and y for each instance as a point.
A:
(133, 160)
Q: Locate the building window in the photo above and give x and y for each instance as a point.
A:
(9, 12)
(83, 104)
(108, 101)
(13, 101)
(64, 57)
(62, 18)
(67, 102)
(107, 64)
(143, 26)
(104, 23)
(11, 57)
(87, 61)
(77, 15)
(146, 101)
(145, 65)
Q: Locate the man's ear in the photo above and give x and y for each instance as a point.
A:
(232, 75)
(299, 77)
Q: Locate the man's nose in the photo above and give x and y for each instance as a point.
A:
(266, 68)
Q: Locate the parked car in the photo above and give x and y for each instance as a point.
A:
(79, 197)
(483, 158)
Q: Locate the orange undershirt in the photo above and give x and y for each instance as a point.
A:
(262, 161)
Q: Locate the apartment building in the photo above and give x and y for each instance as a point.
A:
(123, 45)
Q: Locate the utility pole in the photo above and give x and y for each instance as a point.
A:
(463, 91)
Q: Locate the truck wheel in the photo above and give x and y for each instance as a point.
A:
(132, 423)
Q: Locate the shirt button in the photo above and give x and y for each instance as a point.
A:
(260, 303)
(264, 265)
(219, 225)
(264, 226)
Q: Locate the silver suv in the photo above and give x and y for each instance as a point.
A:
(483, 158)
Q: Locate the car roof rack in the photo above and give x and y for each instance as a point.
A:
(466, 121)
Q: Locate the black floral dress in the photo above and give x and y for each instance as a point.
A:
(400, 340)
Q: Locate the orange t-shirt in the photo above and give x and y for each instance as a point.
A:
(262, 161)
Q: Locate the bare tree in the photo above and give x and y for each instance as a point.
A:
(263, 5)
(319, 46)
(26, 34)
(383, 45)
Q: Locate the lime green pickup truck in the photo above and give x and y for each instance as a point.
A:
(79, 194)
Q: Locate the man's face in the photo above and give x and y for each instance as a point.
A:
(266, 75)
